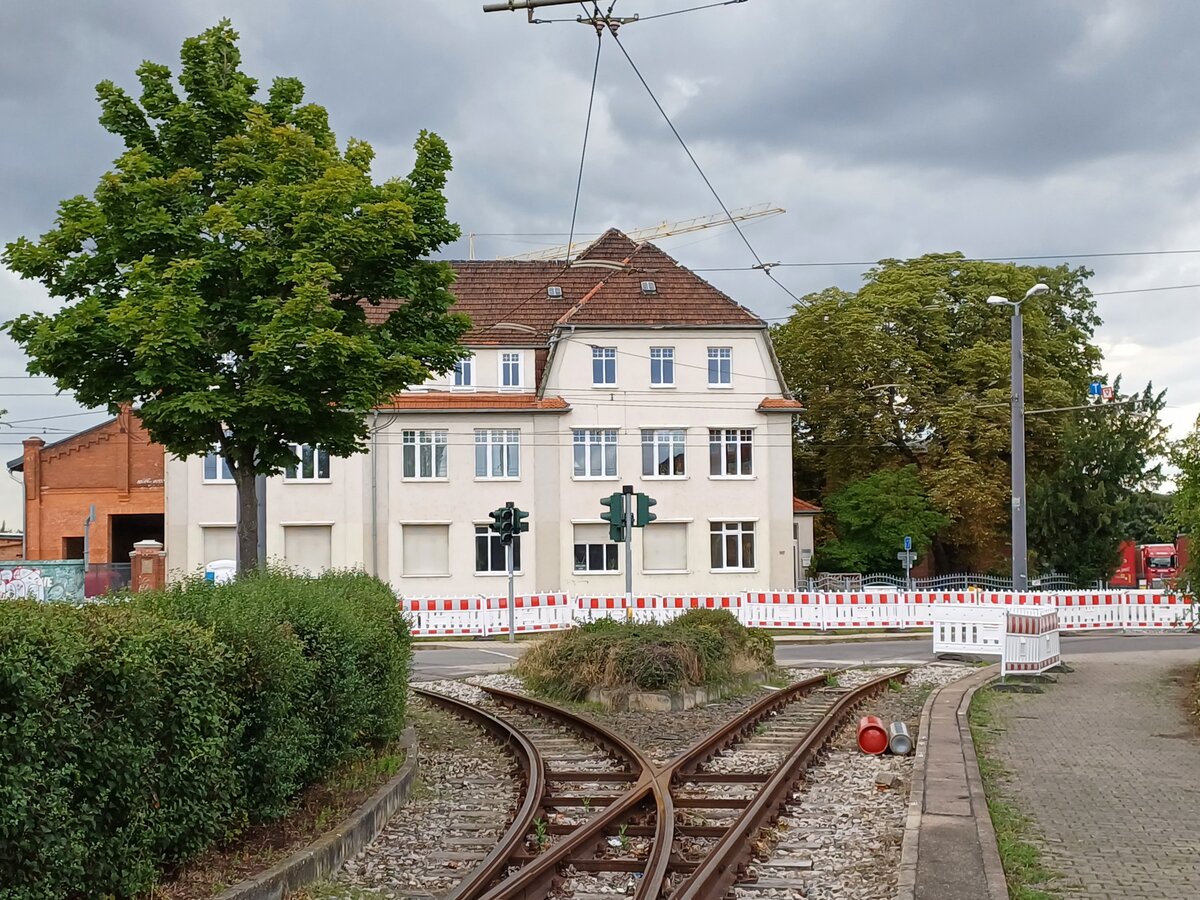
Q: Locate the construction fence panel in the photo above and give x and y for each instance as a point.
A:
(622, 608)
(1159, 611)
(443, 616)
(673, 607)
(1092, 610)
(1031, 644)
(970, 629)
(869, 609)
(783, 609)
(532, 614)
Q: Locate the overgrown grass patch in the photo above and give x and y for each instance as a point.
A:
(701, 647)
(1025, 871)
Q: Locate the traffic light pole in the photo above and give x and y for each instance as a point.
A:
(508, 563)
(627, 490)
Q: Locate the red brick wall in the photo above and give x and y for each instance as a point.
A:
(115, 466)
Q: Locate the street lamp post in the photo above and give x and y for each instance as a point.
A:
(1020, 542)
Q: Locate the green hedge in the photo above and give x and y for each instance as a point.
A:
(703, 646)
(136, 734)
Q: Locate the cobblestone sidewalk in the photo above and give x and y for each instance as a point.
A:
(1108, 767)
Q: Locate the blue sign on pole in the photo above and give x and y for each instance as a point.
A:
(907, 543)
(1094, 389)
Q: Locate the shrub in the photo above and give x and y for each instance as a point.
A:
(700, 647)
(118, 745)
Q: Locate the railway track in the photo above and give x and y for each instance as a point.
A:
(599, 819)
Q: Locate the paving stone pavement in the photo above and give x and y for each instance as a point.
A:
(1107, 765)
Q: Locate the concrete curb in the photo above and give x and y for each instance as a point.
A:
(328, 852)
(993, 869)
(993, 873)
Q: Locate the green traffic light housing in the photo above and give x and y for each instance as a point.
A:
(614, 516)
(644, 516)
(520, 526)
(497, 517)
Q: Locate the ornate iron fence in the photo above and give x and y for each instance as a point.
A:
(964, 581)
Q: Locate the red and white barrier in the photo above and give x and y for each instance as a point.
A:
(442, 616)
(1031, 643)
(804, 611)
(783, 609)
(540, 612)
(975, 630)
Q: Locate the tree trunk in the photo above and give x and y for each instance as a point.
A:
(247, 519)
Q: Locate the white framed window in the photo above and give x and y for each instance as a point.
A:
(312, 464)
(497, 453)
(595, 452)
(490, 555)
(664, 547)
(510, 370)
(662, 367)
(594, 552)
(730, 452)
(464, 373)
(732, 545)
(720, 367)
(663, 452)
(216, 469)
(604, 366)
(425, 454)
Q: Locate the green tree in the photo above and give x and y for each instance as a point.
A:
(913, 369)
(872, 516)
(220, 276)
(1185, 507)
(1107, 460)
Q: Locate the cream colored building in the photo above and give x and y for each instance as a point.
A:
(624, 368)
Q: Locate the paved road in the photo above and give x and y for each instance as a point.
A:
(460, 659)
(1105, 764)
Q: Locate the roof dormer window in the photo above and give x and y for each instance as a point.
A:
(554, 292)
(649, 287)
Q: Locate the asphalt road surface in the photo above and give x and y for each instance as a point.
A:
(462, 658)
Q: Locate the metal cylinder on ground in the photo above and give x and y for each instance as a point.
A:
(872, 737)
(899, 740)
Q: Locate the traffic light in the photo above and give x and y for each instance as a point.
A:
(520, 526)
(497, 517)
(615, 517)
(506, 525)
(644, 516)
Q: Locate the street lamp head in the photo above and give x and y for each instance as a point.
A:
(999, 301)
(1037, 290)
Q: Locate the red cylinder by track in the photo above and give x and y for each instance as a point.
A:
(872, 736)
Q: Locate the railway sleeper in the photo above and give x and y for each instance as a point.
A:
(628, 864)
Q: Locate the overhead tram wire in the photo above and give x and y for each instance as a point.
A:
(587, 127)
(875, 262)
(765, 267)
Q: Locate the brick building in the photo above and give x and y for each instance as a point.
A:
(113, 465)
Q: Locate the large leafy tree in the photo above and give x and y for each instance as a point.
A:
(1108, 462)
(1185, 508)
(872, 517)
(913, 369)
(219, 275)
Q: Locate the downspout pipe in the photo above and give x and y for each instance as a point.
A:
(375, 493)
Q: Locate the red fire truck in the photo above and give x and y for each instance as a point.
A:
(1150, 565)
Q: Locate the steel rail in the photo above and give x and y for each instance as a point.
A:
(534, 879)
(492, 866)
(720, 868)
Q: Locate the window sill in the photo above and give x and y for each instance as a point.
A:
(595, 477)
(666, 572)
(308, 481)
(498, 478)
(218, 481)
(605, 387)
(732, 571)
(596, 572)
(732, 477)
(720, 387)
(512, 388)
(497, 574)
(415, 480)
(463, 388)
(665, 477)
(662, 387)
(440, 575)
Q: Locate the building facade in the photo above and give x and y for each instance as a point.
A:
(113, 467)
(622, 369)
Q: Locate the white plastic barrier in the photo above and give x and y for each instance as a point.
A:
(539, 612)
(639, 608)
(783, 609)
(672, 607)
(976, 629)
(1030, 642)
(443, 616)
(1156, 610)
(1092, 610)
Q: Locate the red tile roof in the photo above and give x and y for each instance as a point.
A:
(508, 303)
(780, 403)
(803, 506)
(453, 401)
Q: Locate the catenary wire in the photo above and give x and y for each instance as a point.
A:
(587, 127)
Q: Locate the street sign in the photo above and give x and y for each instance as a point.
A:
(1106, 393)
(1094, 389)
(908, 557)
(907, 543)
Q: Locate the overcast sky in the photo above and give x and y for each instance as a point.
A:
(1000, 128)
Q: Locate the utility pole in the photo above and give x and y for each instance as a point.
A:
(1020, 542)
(508, 562)
(627, 490)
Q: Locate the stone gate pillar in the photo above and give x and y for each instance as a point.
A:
(147, 567)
